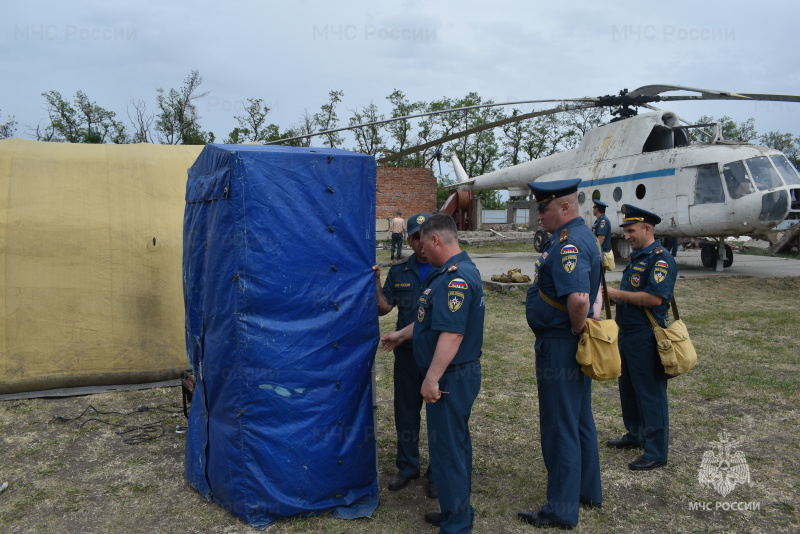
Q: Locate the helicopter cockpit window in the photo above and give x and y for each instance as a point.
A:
(736, 179)
(708, 186)
(786, 169)
(764, 174)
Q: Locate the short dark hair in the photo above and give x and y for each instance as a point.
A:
(441, 224)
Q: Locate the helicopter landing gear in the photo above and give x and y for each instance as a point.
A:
(709, 255)
(538, 240)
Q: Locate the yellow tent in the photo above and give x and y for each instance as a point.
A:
(90, 263)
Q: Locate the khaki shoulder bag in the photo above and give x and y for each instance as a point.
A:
(674, 346)
(598, 351)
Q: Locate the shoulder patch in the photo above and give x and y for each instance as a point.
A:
(569, 249)
(458, 283)
(564, 235)
(454, 300)
(662, 263)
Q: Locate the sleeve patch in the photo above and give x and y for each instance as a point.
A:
(454, 300)
(458, 283)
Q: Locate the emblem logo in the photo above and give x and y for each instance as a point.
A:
(420, 314)
(636, 279)
(427, 291)
(458, 283)
(659, 275)
(454, 300)
(569, 249)
(420, 219)
(569, 262)
(722, 468)
(662, 264)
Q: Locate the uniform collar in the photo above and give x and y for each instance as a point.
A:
(647, 250)
(454, 259)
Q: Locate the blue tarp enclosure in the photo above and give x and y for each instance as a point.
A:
(281, 330)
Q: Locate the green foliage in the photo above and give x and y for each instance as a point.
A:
(369, 137)
(177, 121)
(253, 127)
(744, 132)
(327, 119)
(8, 128)
(785, 142)
(81, 121)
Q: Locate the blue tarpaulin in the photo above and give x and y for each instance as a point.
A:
(281, 330)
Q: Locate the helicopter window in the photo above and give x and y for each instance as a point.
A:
(764, 175)
(736, 179)
(640, 191)
(708, 186)
(617, 194)
(581, 198)
(786, 169)
(660, 138)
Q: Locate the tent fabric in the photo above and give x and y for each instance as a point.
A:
(90, 263)
(281, 331)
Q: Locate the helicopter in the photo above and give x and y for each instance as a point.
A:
(709, 189)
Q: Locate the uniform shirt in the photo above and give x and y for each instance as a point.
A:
(652, 270)
(402, 288)
(602, 227)
(570, 263)
(452, 302)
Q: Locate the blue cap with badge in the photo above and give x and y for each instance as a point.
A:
(600, 204)
(546, 192)
(632, 214)
(413, 223)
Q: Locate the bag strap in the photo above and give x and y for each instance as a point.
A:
(652, 319)
(551, 302)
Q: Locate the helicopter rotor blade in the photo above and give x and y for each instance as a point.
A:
(427, 114)
(487, 126)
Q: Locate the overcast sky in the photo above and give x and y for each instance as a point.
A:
(292, 54)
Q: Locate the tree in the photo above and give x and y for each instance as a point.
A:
(8, 128)
(743, 132)
(400, 130)
(142, 122)
(327, 119)
(178, 121)
(369, 137)
(253, 125)
(83, 122)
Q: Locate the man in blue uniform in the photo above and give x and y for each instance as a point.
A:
(602, 230)
(566, 282)
(402, 289)
(648, 281)
(448, 335)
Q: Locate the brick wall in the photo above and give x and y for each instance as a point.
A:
(404, 189)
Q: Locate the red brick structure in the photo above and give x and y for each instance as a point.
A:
(409, 190)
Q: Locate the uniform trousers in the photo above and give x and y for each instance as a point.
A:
(407, 406)
(397, 243)
(643, 392)
(451, 446)
(568, 433)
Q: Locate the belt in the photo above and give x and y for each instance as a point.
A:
(456, 367)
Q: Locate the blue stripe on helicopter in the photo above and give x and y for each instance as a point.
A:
(628, 178)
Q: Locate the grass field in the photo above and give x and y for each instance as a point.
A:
(66, 478)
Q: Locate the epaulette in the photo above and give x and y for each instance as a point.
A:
(401, 261)
(658, 250)
(564, 235)
(453, 268)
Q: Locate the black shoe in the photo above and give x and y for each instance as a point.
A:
(399, 482)
(435, 519)
(538, 520)
(623, 444)
(643, 464)
(591, 505)
(430, 489)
